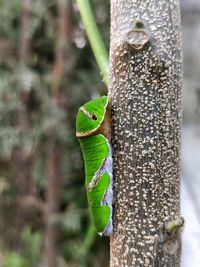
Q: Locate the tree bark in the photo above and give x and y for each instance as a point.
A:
(145, 93)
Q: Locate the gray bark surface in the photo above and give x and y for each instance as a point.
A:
(145, 93)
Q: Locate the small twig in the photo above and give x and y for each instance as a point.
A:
(95, 38)
(170, 235)
(175, 226)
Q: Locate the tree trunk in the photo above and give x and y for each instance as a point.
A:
(145, 93)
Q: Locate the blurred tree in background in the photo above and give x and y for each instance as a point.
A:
(47, 71)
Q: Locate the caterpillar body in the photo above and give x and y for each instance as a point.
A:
(93, 128)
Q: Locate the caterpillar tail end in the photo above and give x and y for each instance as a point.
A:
(108, 230)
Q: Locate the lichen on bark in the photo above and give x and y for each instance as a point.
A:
(145, 94)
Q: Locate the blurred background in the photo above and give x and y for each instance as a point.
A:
(190, 197)
(47, 71)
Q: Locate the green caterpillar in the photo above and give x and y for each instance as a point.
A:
(93, 128)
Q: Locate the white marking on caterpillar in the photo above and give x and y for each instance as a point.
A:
(87, 113)
(106, 166)
(95, 179)
(108, 200)
(109, 228)
(108, 196)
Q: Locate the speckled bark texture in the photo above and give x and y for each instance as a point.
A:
(145, 93)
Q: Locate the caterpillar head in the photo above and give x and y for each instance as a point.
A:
(90, 116)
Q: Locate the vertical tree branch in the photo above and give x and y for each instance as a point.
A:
(21, 158)
(56, 150)
(52, 205)
(25, 42)
(64, 27)
(23, 163)
(145, 93)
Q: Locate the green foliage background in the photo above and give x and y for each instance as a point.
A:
(32, 122)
